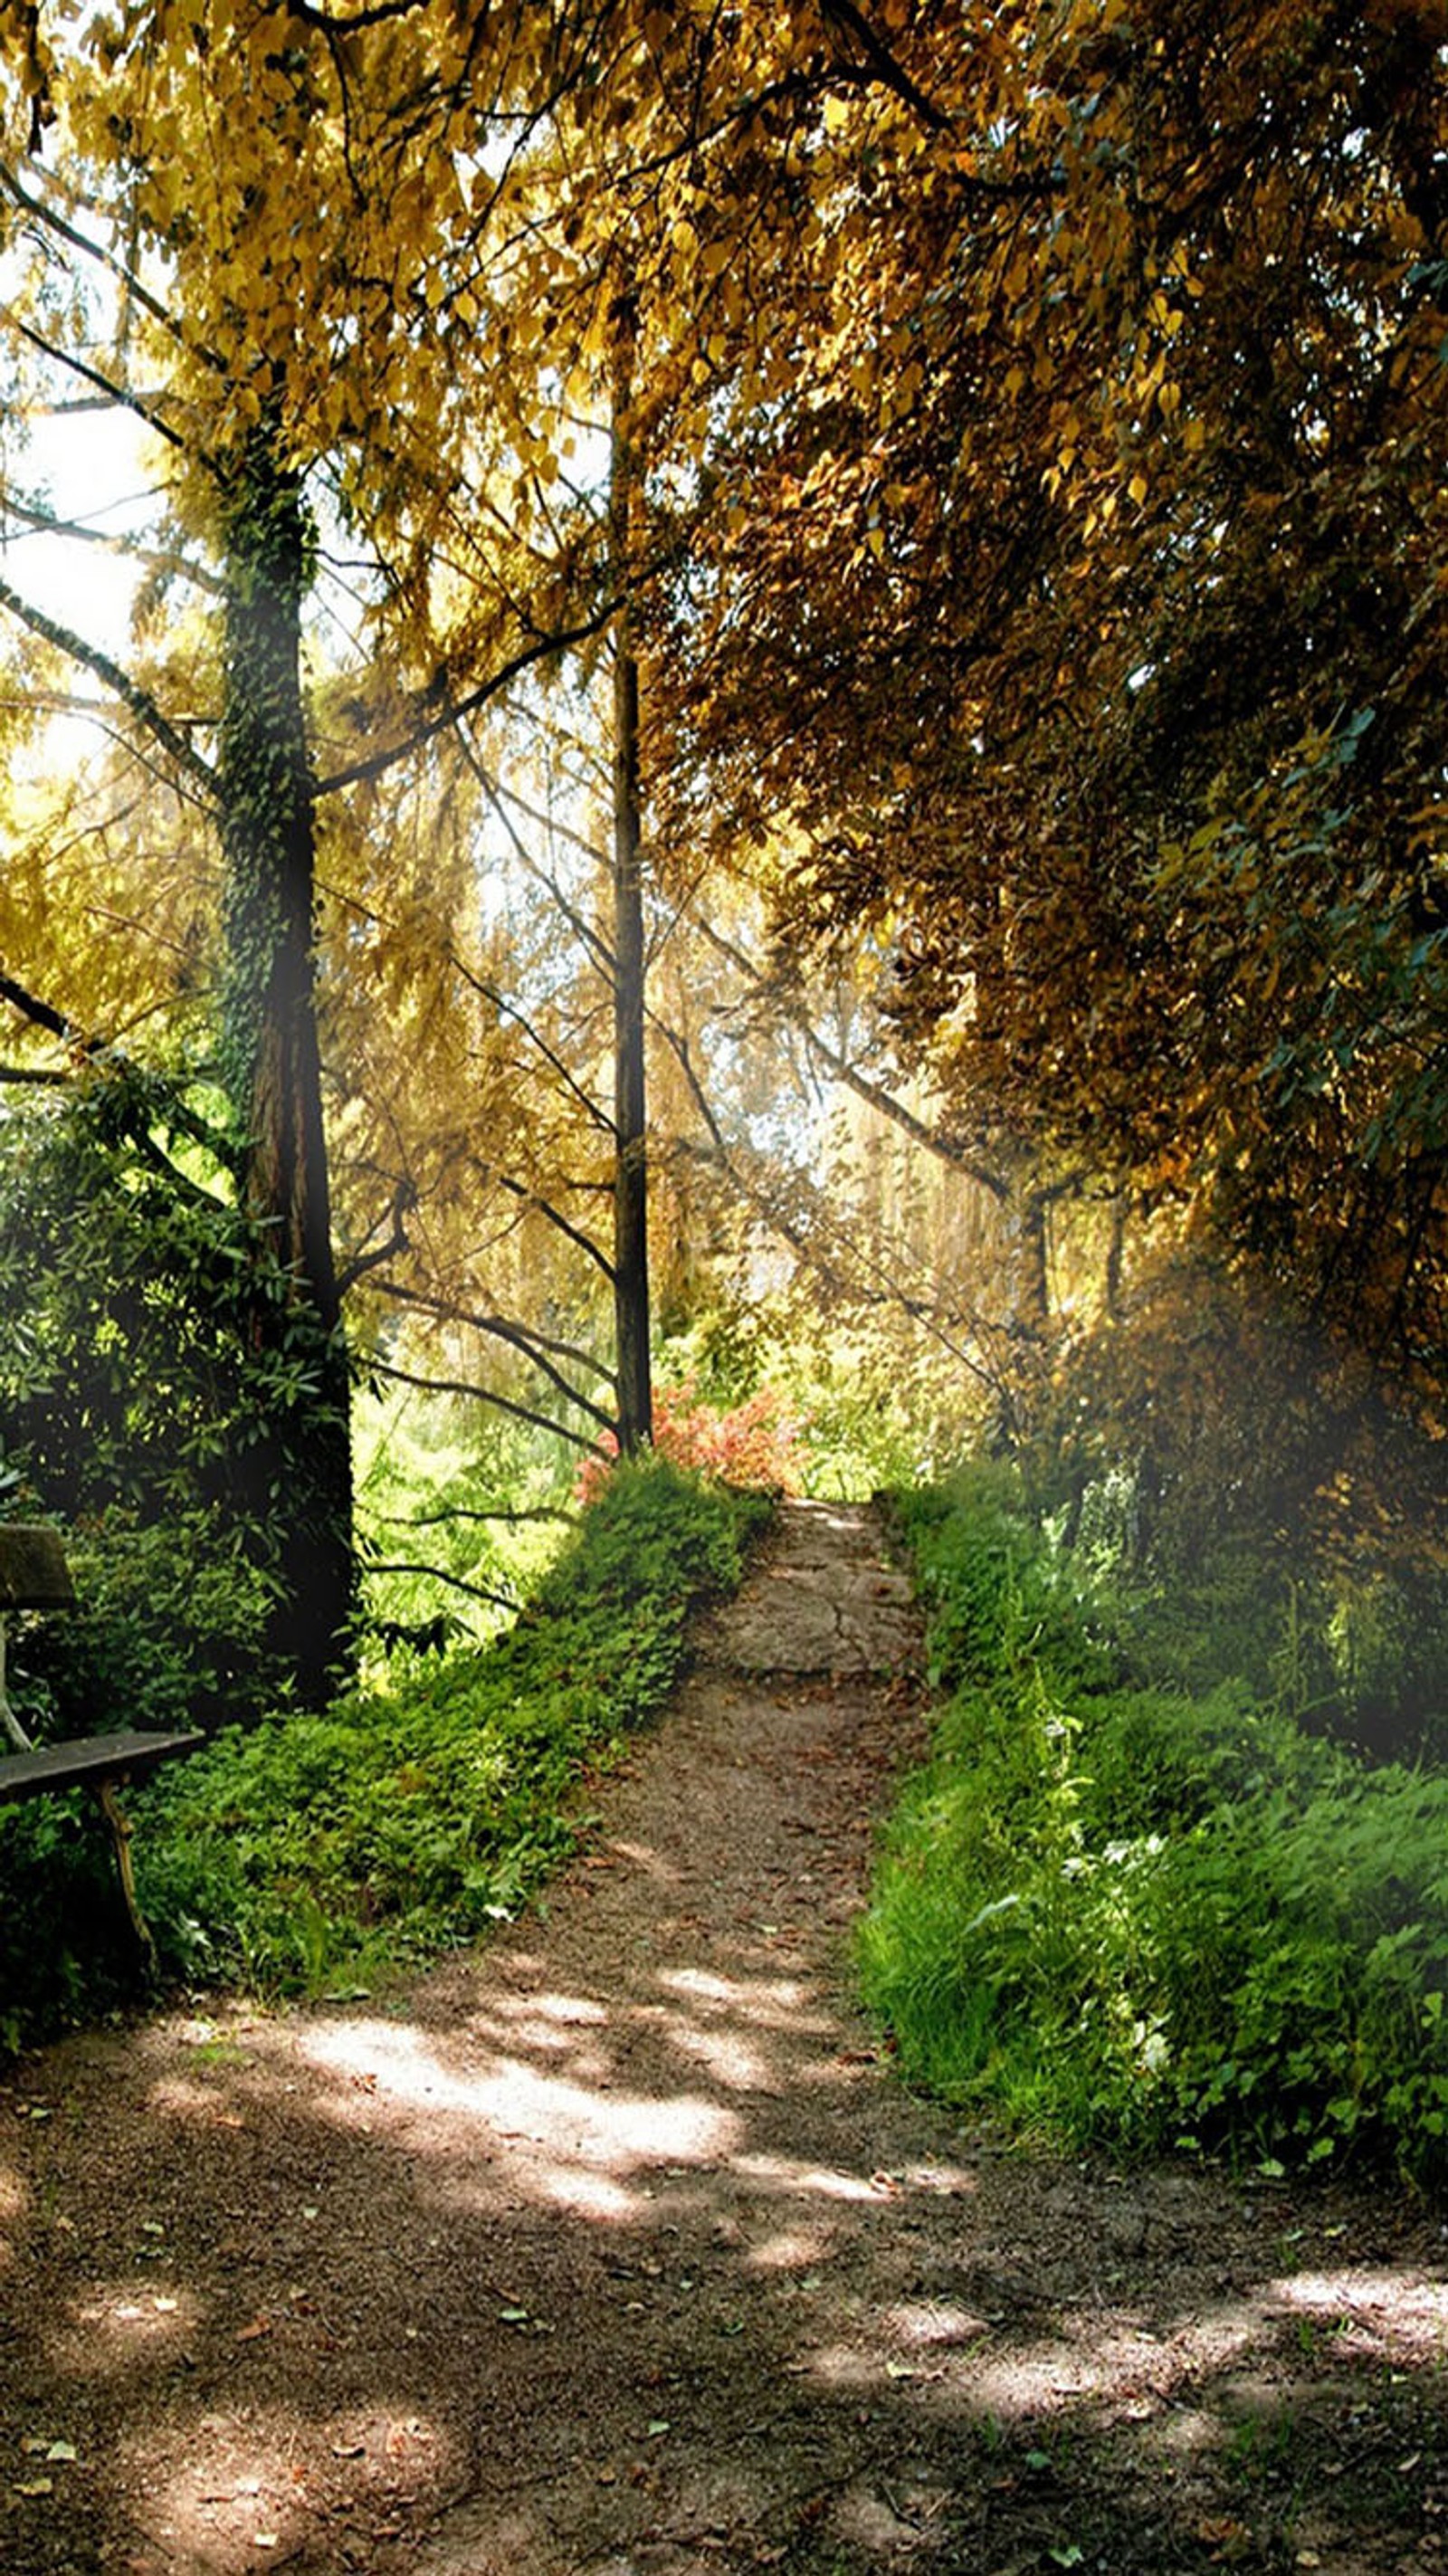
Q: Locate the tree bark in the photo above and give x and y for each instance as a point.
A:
(631, 1249)
(297, 1478)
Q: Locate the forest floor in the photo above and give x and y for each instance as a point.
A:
(614, 2248)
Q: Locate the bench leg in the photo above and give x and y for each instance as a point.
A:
(121, 1832)
(9, 1722)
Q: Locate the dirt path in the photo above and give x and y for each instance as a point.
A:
(614, 2251)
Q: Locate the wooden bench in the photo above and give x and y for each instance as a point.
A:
(35, 1576)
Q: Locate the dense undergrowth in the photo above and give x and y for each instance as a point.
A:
(1136, 1904)
(316, 1848)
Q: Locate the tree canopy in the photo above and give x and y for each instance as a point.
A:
(1016, 607)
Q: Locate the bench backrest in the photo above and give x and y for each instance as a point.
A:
(33, 1571)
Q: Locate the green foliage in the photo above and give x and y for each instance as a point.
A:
(1142, 1914)
(875, 1409)
(402, 1819)
(168, 1630)
(1272, 1517)
(457, 1518)
(159, 1390)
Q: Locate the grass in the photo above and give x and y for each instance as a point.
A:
(307, 1850)
(1128, 1912)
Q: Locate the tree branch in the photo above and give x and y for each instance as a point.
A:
(92, 376)
(482, 1395)
(542, 1207)
(98, 1051)
(843, 1071)
(451, 1312)
(596, 946)
(404, 1198)
(517, 1338)
(538, 651)
(71, 233)
(150, 556)
(439, 1574)
(884, 65)
(140, 701)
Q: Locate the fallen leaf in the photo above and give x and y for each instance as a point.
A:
(34, 2487)
(1227, 2538)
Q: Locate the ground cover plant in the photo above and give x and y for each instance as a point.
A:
(405, 1817)
(1130, 1912)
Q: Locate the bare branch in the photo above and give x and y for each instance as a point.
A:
(484, 1512)
(138, 403)
(152, 557)
(130, 692)
(889, 1107)
(498, 1329)
(483, 1395)
(449, 1310)
(538, 651)
(597, 947)
(439, 1574)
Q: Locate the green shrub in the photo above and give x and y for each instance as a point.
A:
(161, 1392)
(168, 1629)
(398, 1821)
(1135, 1915)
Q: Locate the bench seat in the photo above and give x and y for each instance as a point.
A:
(89, 1758)
(34, 1575)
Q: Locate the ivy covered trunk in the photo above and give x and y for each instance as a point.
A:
(294, 1481)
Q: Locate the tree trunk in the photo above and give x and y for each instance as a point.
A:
(631, 1249)
(296, 1481)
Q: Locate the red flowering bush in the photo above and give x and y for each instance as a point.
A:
(753, 1444)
